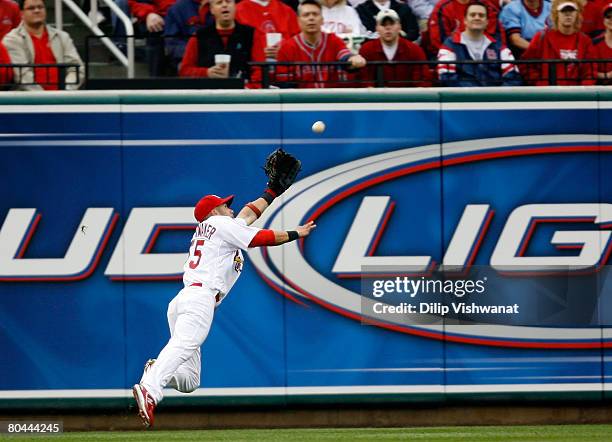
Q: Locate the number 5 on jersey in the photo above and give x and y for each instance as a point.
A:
(197, 252)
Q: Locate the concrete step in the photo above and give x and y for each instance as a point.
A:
(67, 15)
(99, 53)
(82, 35)
(116, 70)
(102, 63)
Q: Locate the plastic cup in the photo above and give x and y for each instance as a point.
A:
(273, 38)
(221, 59)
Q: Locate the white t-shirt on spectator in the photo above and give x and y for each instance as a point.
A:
(476, 48)
(342, 19)
(390, 50)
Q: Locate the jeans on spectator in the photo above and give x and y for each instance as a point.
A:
(118, 27)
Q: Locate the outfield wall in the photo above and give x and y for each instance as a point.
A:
(98, 190)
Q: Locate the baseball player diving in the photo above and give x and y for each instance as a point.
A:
(213, 266)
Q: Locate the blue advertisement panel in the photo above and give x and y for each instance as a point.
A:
(605, 280)
(527, 166)
(62, 321)
(507, 190)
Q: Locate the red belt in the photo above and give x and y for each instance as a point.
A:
(199, 284)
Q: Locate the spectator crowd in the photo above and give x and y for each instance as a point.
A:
(332, 43)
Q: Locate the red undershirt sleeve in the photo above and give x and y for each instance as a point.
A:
(264, 237)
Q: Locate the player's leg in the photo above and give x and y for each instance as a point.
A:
(171, 315)
(145, 402)
(186, 378)
(195, 310)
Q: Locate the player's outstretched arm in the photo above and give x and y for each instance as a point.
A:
(254, 209)
(282, 236)
(268, 237)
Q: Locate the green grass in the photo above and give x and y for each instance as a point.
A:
(562, 433)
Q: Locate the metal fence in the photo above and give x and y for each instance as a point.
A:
(375, 74)
(49, 75)
(433, 73)
(159, 55)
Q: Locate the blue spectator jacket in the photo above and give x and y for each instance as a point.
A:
(480, 74)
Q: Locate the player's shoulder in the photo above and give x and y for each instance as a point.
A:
(225, 221)
(218, 219)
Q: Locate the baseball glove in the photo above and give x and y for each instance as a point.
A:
(281, 168)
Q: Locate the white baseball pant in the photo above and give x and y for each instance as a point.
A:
(178, 365)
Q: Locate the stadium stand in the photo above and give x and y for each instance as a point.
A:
(158, 58)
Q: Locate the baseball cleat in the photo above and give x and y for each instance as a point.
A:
(146, 404)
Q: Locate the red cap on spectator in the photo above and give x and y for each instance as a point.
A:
(209, 202)
(606, 8)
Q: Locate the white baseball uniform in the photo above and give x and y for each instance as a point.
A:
(213, 266)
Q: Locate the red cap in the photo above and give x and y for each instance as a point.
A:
(209, 202)
(606, 9)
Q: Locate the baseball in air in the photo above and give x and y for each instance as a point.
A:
(318, 127)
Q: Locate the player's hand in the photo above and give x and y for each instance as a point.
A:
(272, 51)
(357, 61)
(218, 71)
(155, 22)
(306, 229)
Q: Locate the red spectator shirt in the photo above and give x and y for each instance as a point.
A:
(551, 45)
(329, 48)
(189, 65)
(141, 10)
(10, 16)
(592, 18)
(602, 50)
(400, 75)
(6, 74)
(448, 16)
(45, 77)
(275, 17)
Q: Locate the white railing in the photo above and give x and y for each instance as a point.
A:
(128, 61)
